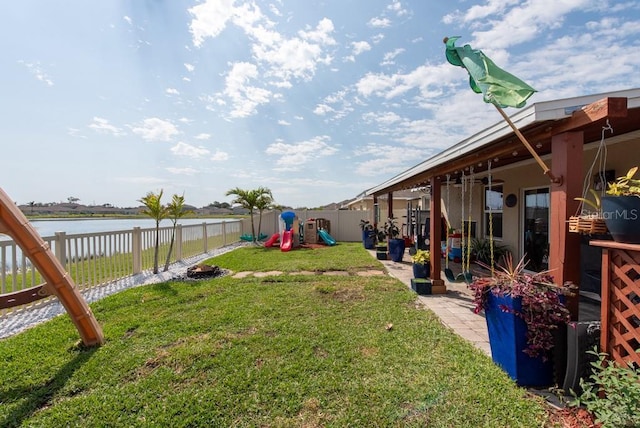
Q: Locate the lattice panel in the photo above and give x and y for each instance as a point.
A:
(623, 308)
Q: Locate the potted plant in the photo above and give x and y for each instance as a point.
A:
(396, 244)
(381, 243)
(421, 264)
(481, 251)
(523, 311)
(621, 208)
(589, 222)
(368, 234)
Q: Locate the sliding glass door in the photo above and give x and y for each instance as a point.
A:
(536, 228)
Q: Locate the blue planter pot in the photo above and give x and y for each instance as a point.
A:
(508, 339)
(622, 217)
(421, 270)
(368, 239)
(396, 249)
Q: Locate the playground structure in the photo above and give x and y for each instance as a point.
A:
(292, 233)
(58, 281)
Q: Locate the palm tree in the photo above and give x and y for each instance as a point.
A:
(249, 199)
(264, 202)
(156, 211)
(175, 210)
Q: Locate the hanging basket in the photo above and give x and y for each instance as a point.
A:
(587, 225)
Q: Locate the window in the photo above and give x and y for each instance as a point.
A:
(493, 197)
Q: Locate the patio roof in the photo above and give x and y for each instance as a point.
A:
(538, 123)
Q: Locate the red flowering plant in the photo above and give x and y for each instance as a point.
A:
(543, 302)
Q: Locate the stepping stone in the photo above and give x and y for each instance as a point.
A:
(370, 272)
(337, 273)
(241, 275)
(270, 273)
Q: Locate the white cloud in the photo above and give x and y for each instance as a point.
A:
(397, 8)
(283, 123)
(154, 129)
(36, 70)
(244, 97)
(428, 80)
(297, 57)
(387, 118)
(210, 18)
(389, 57)
(294, 156)
(386, 159)
(377, 38)
(172, 91)
(189, 67)
(360, 47)
(323, 109)
(202, 136)
(184, 149)
(182, 171)
(127, 19)
(522, 21)
(75, 132)
(103, 126)
(379, 23)
(220, 156)
(274, 10)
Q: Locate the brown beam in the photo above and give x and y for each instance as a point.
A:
(605, 108)
(435, 235)
(564, 247)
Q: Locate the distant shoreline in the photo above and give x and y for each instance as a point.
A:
(71, 211)
(65, 216)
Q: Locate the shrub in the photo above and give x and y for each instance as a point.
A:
(612, 393)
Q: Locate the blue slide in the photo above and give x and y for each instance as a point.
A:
(326, 237)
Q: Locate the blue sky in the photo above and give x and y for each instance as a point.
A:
(316, 100)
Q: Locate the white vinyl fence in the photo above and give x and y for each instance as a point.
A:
(94, 259)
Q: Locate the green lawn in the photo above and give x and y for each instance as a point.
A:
(289, 350)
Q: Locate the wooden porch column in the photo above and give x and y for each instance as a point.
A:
(375, 211)
(435, 227)
(564, 247)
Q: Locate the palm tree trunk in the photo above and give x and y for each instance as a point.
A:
(173, 236)
(156, 251)
(253, 229)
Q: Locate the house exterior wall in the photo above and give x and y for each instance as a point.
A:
(621, 156)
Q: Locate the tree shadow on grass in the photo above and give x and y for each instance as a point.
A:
(35, 397)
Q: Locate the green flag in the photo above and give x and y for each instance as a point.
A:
(497, 86)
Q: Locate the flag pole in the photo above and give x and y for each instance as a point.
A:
(545, 168)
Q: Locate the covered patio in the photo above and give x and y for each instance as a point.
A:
(564, 134)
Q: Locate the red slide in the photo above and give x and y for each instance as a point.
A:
(287, 240)
(274, 238)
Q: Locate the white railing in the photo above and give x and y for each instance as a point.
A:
(94, 259)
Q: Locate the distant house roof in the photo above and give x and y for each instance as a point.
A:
(406, 195)
(539, 120)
